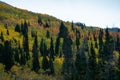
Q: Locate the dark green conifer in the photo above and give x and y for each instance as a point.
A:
(52, 50)
(40, 21)
(92, 64)
(7, 32)
(72, 26)
(2, 37)
(22, 57)
(42, 47)
(35, 61)
(63, 31)
(26, 47)
(16, 55)
(17, 28)
(48, 34)
(45, 63)
(77, 39)
(52, 70)
(8, 60)
(57, 44)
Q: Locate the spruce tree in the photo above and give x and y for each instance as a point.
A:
(2, 37)
(68, 65)
(67, 47)
(118, 44)
(1, 53)
(63, 31)
(45, 63)
(22, 29)
(40, 21)
(48, 34)
(46, 25)
(52, 50)
(92, 63)
(42, 47)
(35, 61)
(16, 55)
(80, 64)
(25, 29)
(77, 39)
(7, 32)
(107, 36)
(57, 44)
(51, 65)
(72, 26)
(45, 50)
(17, 28)
(118, 65)
(8, 55)
(101, 38)
(22, 57)
(81, 60)
(33, 33)
(26, 47)
(96, 44)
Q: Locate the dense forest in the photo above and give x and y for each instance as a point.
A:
(37, 46)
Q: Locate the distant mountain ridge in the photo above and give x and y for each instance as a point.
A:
(115, 29)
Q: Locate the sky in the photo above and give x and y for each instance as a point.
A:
(99, 13)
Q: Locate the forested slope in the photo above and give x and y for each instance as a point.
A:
(39, 46)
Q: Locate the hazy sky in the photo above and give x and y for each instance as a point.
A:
(100, 13)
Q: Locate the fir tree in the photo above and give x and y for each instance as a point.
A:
(100, 38)
(96, 44)
(67, 47)
(17, 28)
(42, 47)
(22, 57)
(68, 69)
(36, 65)
(46, 25)
(51, 50)
(8, 55)
(45, 50)
(118, 65)
(81, 60)
(22, 28)
(72, 26)
(107, 36)
(92, 63)
(40, 21)
(63, 31)
(52, 71)
(48, 34)
(7, 32)
(1, 52)
(57, 44)
(45, 63)
(77, 39)
(16, 55)
(33, 33)
(118, 44)
(101, 52)
(2, 37)
(80, 65)
(26, 47)
(25, 29)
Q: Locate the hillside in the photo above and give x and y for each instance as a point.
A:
(12, 15)
(36, 46)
